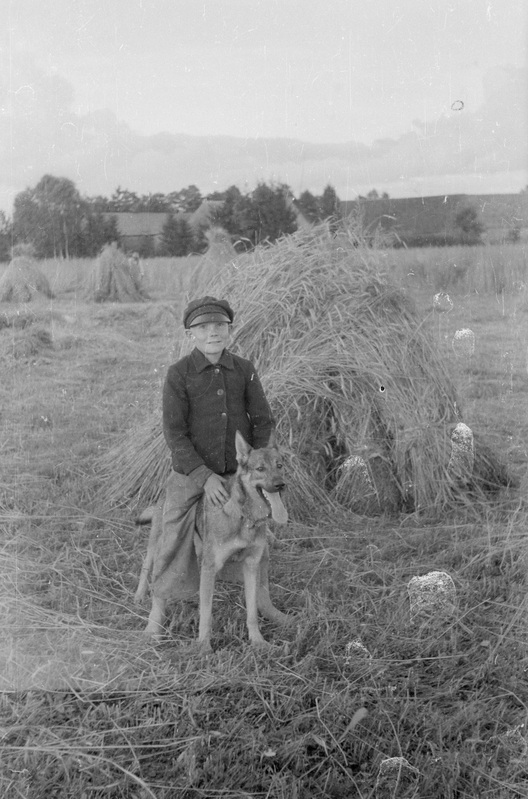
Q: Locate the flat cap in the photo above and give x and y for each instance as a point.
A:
(207, 309)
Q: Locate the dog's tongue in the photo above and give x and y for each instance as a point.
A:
(279, 514)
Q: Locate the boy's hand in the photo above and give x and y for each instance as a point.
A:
(215, 490)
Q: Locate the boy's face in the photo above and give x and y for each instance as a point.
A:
(210, 338)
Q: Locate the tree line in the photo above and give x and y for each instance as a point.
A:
(60, 223)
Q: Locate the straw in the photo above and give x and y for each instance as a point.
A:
(113, 279)
(349, 369)
(23, 281)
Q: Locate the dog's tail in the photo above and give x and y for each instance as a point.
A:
(146, 516)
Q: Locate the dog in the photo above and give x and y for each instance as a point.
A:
(233, 536)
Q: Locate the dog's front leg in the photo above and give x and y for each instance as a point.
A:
(265, 605)
(250, 568)
(143, 579)
(207, 584)
(156, 617)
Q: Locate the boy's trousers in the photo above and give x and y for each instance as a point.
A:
(175, 573)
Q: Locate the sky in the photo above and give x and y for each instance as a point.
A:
(412, 97)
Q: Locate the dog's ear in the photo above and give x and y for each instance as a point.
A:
(242, 448)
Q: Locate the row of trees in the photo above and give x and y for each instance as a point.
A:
(264, 214)
(60, 223)
(183, 201)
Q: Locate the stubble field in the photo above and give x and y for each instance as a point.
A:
(89, 709)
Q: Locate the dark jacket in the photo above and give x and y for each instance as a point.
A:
(204, 404)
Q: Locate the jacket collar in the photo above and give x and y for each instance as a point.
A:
(200, 362)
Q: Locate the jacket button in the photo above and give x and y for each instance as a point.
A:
(220, 392)
(223, 414)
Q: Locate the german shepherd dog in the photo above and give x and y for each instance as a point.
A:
(235, 534)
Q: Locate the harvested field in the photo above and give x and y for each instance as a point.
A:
(89, 708)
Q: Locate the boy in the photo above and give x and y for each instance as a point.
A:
(208, 395)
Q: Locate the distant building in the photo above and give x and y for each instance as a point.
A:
(140, 232)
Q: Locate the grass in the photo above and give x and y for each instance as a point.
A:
(89, 709)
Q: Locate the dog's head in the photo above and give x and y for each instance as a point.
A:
(263, 471)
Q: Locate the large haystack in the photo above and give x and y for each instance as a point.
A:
(23, 280)
(362, 399)
(113, 279)
(220, 254)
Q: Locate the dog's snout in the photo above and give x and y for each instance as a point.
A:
(279, 485)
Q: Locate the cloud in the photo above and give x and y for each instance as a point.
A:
(40, 133)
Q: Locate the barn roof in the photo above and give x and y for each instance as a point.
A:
(130, 223)
(432, 215)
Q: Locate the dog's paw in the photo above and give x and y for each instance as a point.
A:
(154, 634)
(204, 647)
(259, 643)
(284, 619)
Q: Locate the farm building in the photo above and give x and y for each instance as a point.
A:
(141, 231)
(432, 220)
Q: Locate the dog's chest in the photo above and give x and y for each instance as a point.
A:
(247, 540)
(246, 533)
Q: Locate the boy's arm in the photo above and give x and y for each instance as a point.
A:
(201, 475)
(185, 459)
(258, 410)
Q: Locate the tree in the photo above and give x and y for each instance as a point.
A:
(216, 195)
(98, 204)
(187, 200)
(50, 217)
(191, 198)
(123, 200)
(154, 203)
(265, 215)
(309, 206)
(468, 223)
(177, 236)
(262, 215)
(6, 237)
(226, 216)
(97, 230)
(329, 203)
